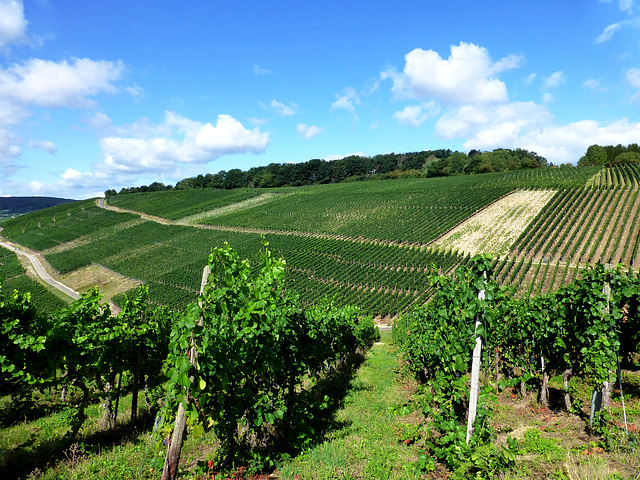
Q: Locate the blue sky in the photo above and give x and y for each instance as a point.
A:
(100, 95)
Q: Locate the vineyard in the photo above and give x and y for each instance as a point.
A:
(366, 243)
(13, 277)
(181, 203)
(257, 369)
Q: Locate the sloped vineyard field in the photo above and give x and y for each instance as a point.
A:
(176, 204)
(360, 242)
(414, 211)
(13, 277)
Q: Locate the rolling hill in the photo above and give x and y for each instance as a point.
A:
(368, 243)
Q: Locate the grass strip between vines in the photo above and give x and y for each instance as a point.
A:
(370, 443)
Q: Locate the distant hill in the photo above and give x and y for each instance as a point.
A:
(12, 206)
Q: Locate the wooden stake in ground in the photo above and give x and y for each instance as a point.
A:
(172, 459)
(602, 399)
(475, 375)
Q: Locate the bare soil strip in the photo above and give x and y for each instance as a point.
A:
(233, 208)
(494, 229)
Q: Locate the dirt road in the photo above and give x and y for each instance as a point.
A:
(40, 271)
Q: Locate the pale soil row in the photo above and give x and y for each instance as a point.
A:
(265, 231)
(494, 229)
(233, 208)
(80, 241)
(144, 216)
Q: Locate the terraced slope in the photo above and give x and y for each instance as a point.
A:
(367, 243)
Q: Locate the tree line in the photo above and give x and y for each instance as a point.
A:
(610, 155)
(427, 163)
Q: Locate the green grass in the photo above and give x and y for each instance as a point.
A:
(370, 445)
(366, 440)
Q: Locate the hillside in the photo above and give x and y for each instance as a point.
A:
(14, 206)
(368, 243)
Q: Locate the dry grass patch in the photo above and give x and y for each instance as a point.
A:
(109, 283)
(233, 208)
(495, 228)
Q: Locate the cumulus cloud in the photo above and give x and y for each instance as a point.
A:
(330, 158)
(281, 109)
(177, 140)
(592, 84)
(346, 101)
(414, 115)
(44, 83)
(633, 78)
(13, 25)
(567, 143)
(529, 125)
(488, 127)
(624, 5)
(58, 84)
(257, 70)
(466, 77)
(308, 131)
(99, 121)
(554, 80)
(607, 33)
(45, 145)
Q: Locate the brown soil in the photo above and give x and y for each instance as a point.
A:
(109, 283)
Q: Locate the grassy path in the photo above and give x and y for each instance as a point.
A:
(369, 446)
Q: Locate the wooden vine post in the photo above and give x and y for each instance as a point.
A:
(602, 398)
(171, 461)
(475, 373)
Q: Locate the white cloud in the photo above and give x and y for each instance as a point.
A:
(529, 125)
(607, 33)
(43, 83)
(257, 70)
(529, 79)
(178, 140)
(58, 84)
(624, 5)
(633, 77)
(99, 121)
(554, 80)
(258, 121)
(330, 158)
(13, 25)
(488, 127)
(414, 115)
(134, 90)
(347, 101)
(281, 109)
(547, 97)
(308, 131)
(466, 77)
(592, 84)
(568, 143)
(45, 145)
